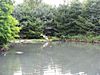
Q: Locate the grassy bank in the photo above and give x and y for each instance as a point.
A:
(43, 40)
(78, 38)
(34, 40)
(83, 38)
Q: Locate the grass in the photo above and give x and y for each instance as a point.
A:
(33, 40)
(76, 38)
(38, 40)
(84, 38)
(43, 40)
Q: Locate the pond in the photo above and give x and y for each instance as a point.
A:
(56, 58)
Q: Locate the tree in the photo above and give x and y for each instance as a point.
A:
(71, 20)
(92, 12)
(8, 28)
(67, 17)
(32, 3)
(34, 21)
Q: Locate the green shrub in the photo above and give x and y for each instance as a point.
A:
(8, 28)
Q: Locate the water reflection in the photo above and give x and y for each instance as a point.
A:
(19, 72)
(46, 44)
(58, 71)
(60, 59)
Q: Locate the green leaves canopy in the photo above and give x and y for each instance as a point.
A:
(74, 19)
(8, 28)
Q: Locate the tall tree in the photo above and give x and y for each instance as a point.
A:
(32, 3)
(67, 16)
(92, 12)
(8, 28)
(71, 20)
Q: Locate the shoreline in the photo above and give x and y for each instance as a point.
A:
(32, 41)
(53, 40)
(83, 41)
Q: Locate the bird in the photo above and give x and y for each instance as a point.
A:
(46, 37)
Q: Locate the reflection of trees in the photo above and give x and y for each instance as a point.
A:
(66, 57)
(71, 57)
(9, 65)
(59, 59)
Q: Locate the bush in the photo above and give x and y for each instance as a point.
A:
(8, 28)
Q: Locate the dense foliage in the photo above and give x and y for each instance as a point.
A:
(92, 12)
(73, 19)
(33, 21)
(8, 28)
